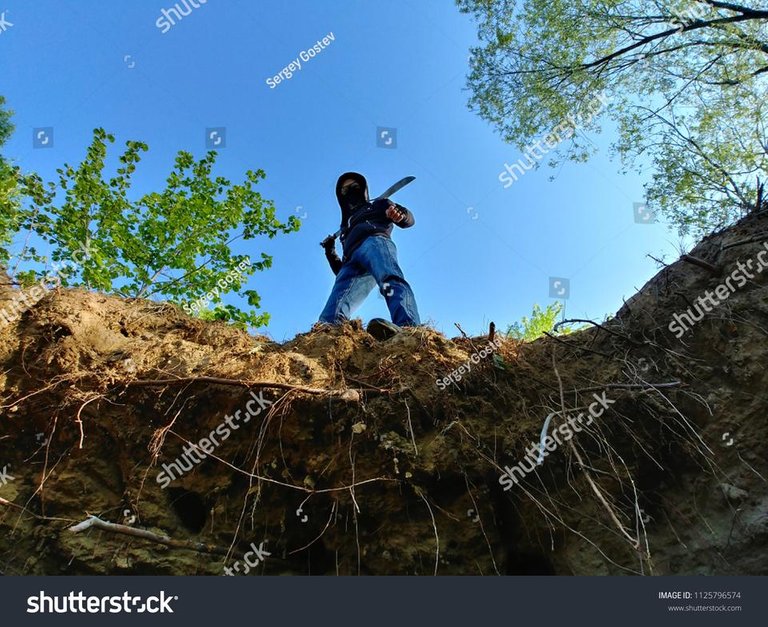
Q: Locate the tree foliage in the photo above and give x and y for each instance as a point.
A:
(173, 244)
(541, 321)
(9, 201)
(686, 82)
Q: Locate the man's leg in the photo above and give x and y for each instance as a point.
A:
(353, 284)
(378, 255)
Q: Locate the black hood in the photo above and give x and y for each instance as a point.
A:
(350, 175)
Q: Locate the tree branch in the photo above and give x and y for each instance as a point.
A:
(98, 523)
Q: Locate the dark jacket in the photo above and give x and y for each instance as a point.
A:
(365, 220)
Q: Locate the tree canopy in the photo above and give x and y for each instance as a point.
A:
(173, 244)
(685, 80)
(9, 208)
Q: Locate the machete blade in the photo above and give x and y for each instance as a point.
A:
(396, 187)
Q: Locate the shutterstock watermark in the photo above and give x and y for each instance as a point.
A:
(79, 603)
(549, 443)
(294, 66)
(165, 22)
(685, 12)
(565, 130)
(683, 322)
(4, 23)
(258, 553)
(5, 476)
(26, 298)
(208, 445)
(456, 375)
(233, 275)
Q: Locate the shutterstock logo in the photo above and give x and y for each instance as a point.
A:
(4, 23)
(79, 603)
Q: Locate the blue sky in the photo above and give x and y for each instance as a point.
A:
(478, 253)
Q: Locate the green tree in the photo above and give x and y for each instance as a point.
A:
(6, 126)
(9, 196)
(173, 244)
(685, 82)
(541, 321)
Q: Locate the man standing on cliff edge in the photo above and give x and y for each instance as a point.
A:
(370, 259)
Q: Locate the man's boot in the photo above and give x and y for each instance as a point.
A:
(382, 329)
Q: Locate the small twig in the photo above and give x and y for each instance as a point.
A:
(98, 523)
(702, 264)
(666, 265)
(466, 337)
(599, 326)
(463, 334)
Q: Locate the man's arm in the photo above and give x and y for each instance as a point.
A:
(329, 244)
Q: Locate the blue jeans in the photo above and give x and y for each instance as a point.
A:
(374, 262)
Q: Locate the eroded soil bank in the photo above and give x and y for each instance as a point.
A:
(355, 461)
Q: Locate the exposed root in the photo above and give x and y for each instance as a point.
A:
(98, 523)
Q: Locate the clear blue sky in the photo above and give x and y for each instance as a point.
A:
(479, 252)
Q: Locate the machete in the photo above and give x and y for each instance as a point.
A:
(386, 194)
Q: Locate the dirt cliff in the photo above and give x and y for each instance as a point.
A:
(343, 455)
